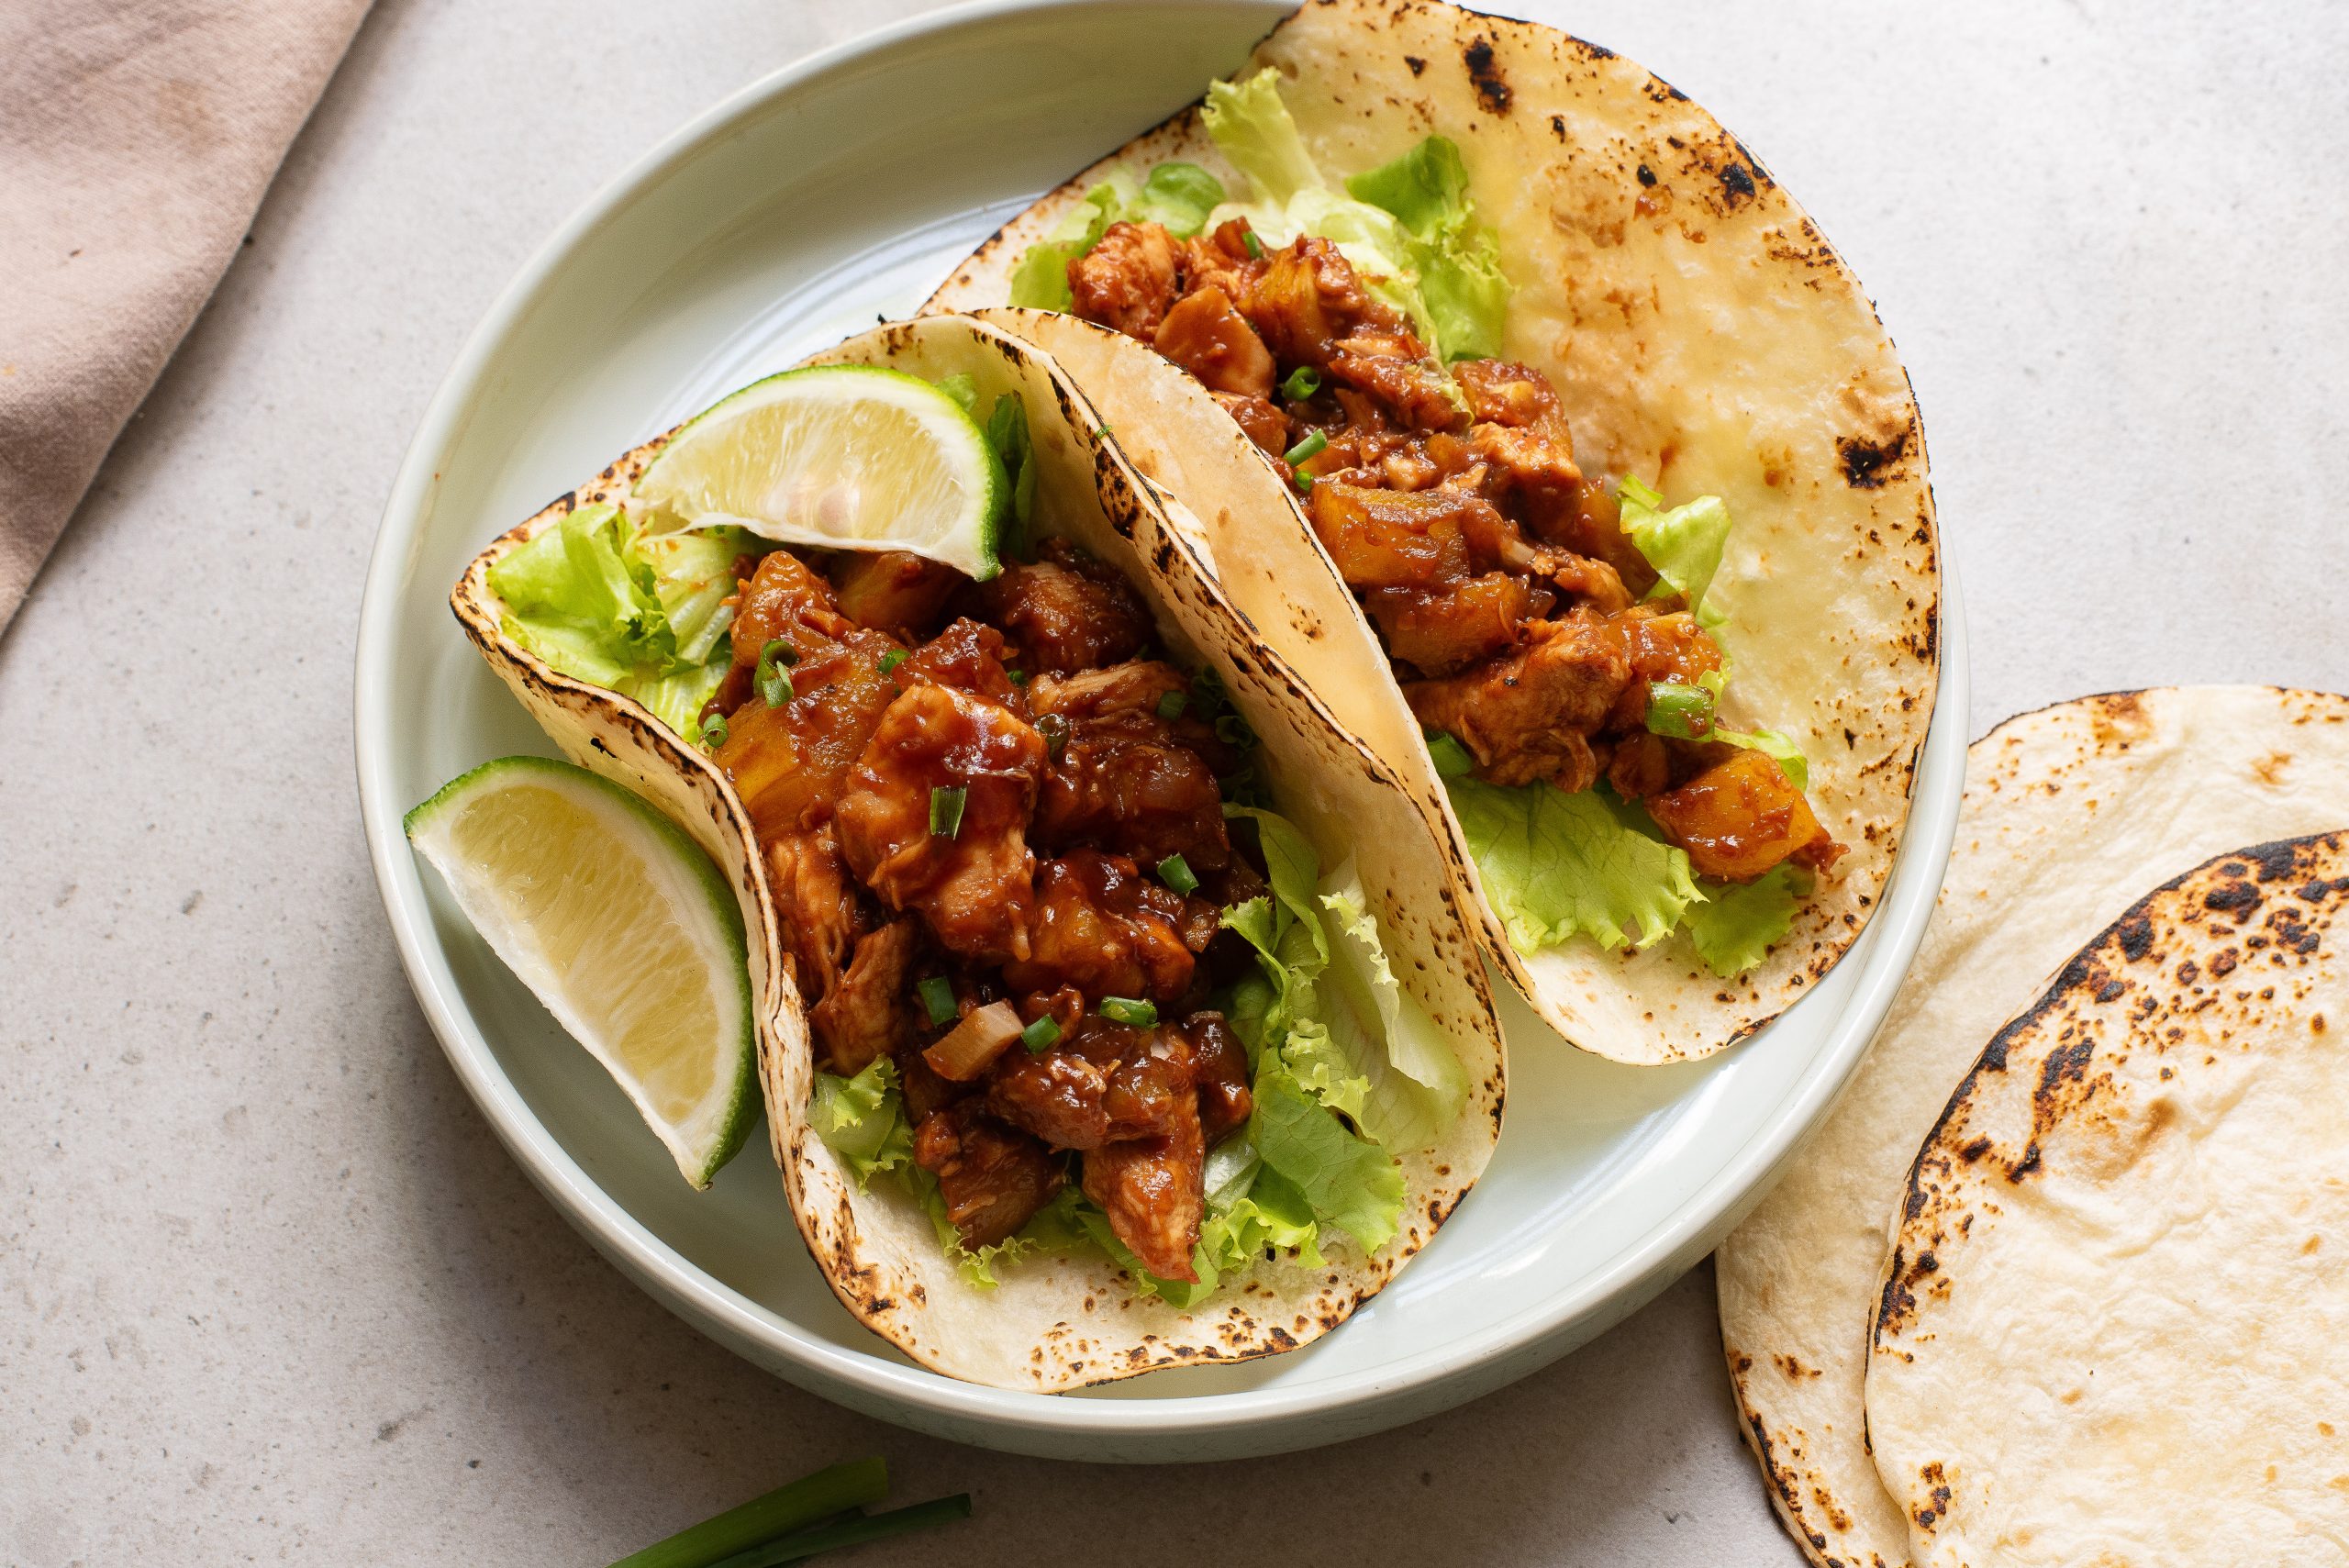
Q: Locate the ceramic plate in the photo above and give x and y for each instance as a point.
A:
(824, 197)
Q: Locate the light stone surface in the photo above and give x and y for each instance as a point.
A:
(270, 1292)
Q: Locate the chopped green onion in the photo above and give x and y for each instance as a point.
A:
(1302, 479)
(1255, 246)
(1170, 706)
(1451, 759)
(1125, 1011)
(1040, 1034)
(713, 731)
(891, 660)
(853, 1532)
(1101, 433)
(1175, 873)
(1681, 712)
(946, 810)
(774, 681)
(1016, 677)
(1311, 446)
(1055, 730)
(937, 999)
(1302, 382)
(778, 651)
(764, 1519)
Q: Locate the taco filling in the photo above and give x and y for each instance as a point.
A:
(1549, 628)
(1066, 979)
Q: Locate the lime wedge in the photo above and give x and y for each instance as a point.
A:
(621, 925)
(842, 457)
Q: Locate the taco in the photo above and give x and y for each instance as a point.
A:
(1538, 429)
(1112, 1011)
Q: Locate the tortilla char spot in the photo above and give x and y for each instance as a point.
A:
(1737, 184)
(1646, 176)
(1867, 464)
(1416, 64)
(1492, 90)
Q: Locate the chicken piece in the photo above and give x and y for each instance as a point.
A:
(1152, 1190)
(1741, 818)
(1124, 778)
(1380, 538)
(1662, 646)
(1502, 392)
(1440, 631)
(925, 1088)
(821, 916)
(1152, 1086)
(992, 1177)
(1397, 369)
(1100, 927)
(865, 1014)
(1126, 280)
(972, 886)
(968, 657)
(1059, 1096)
(1586, 521)
(1065, 611)
(894, 591)
(1220, 260)
(1206, 337)
(1259, 421)
(1520, 460)
(1308, 297)
(790, 764)
(1640, 765)
(1528, 713)
(1220, 1071)
(1593, 584)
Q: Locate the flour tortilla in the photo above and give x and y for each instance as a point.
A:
(1056, 1323)
(2113, 1321)
(2070, 812)
(1703, 337)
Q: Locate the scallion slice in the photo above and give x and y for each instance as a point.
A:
(1039, 1035)
(1313, 444)
(1170, 706)
(937, 999)
(946, 810)
(713, 731)
(1177, 873)
(1255, 246)
(1127, 1011)
(891, 660)
(1302, 382)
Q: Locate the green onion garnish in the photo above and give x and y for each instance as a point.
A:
(1175, 873)
(763, 1520)
(1170, 706)
(1681, 712)
(778, 651)
(1040, 1034)
(1101, 433)
(851, 1531)
(1055, 730)
(1302, 479)
(891, 660)
(1309, 447)
(1016, 677)
(1302, 382)
(937, 999)
(713, 731)
(1125, 1011)
(1255, 246)
(1451, 759)
(774, 681)
(946, 810)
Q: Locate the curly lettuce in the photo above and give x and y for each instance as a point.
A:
(1558, 865)
(641, 614)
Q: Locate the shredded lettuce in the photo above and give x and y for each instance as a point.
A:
(1406, 225)
(641, 614)
(863, 1120)
(1557, 865)
(1416, 1087)
(1735, 927)
(1684, 543)
(1179, 196)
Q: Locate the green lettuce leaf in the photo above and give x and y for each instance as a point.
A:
(1735, 927)
(1556, 864)
(1344, 1179)
(862, 1119)
(1684, 543)
(1179, 196)
(1457, 263)
(1416, 1086)
(1789, 756)
(1251, 127)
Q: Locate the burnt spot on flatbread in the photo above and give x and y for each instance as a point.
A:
(1870, 462)
(1492, 89)
(1417, 65)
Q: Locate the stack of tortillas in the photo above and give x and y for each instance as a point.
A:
(2073, 1248)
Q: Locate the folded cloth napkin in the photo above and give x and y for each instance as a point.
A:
(135, 139)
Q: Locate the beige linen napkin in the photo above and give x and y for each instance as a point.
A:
(135, 139)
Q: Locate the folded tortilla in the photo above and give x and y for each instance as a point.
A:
(1055, 1322)
(1702, 336)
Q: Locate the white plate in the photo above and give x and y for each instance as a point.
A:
(796, 212)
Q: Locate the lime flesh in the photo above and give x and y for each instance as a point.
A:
(842, 457)
(624, 930)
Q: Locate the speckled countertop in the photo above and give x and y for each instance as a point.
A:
(269, 1291)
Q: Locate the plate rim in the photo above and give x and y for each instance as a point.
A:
(833, 1370)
